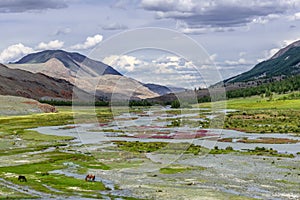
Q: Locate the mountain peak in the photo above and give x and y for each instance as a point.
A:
(71, 60)
(44, 56)
(285, 49)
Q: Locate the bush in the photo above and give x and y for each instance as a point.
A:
(229, 148)
(175, 104)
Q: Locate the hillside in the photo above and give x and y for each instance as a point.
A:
(189, 96)
(87, 74)
(17, 82)
(159, 89)
(72, 61)
(12, 105)
(285, 62)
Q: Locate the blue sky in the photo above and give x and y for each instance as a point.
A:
(237, 34)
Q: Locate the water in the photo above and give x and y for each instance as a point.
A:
(83, 135)
(233, 170)
(154, 121)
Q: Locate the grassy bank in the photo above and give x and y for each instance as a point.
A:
(17, 141)
(257, 103)
(261, 115)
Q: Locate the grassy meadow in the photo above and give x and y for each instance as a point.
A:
(262, 115)
(34, 155)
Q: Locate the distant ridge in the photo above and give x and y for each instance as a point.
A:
(159, 89)
(286, 62)
(92, 76)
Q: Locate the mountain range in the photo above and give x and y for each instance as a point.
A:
(89, 75)
(285, 63)
(61, 75)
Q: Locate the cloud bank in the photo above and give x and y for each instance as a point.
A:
(18, 6)
(55, 44)
(14, 52)
(201, 14)
(163, 70)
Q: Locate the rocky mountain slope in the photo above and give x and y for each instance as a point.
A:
(87, 74)
(74, 62)
(285, 62)
(18, 82)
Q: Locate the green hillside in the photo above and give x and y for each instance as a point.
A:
(286, 64)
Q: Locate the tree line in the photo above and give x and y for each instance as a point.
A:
(289, 84)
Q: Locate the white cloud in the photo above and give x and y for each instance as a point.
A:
(240, 61)
(285, 43)
(55, 44)
(89, 42)
(294, 17)
(201, 16)
(161, 70)
(268, 54)
(271, 52)
(211, 60)
(14, 52)
(213, 57)
(124, 63)
(162, 65)
(265, 19)
(173, 64)
(202, 29)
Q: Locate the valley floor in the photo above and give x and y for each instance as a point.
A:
(148, 153)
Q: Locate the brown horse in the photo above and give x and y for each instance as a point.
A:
(90, 177)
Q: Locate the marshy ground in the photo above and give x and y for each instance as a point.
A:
(128, 166)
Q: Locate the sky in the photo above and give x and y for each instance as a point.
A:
(234, 34)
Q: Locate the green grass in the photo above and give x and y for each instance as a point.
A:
(30, 148)
(216, 150)
(13, 127)
(161, 147)
(7, 193)
(261, 151)
(264, 121)
(124, 164)
(140, 147)
(37, 173)
(186, 148)
(59, 182)
(174, 169)
(63, 183)
(53, 161)
(255, 102)
(257, 115)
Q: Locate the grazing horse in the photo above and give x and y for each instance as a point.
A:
(90, 177)
(22, 178)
